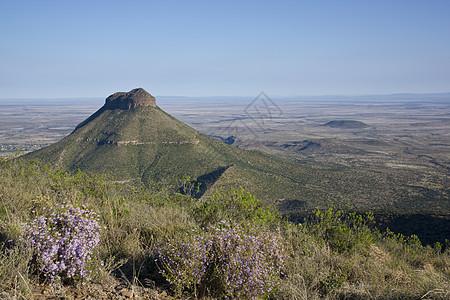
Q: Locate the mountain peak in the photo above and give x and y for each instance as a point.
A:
(134, 98)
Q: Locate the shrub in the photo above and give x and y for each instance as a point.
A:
(248, 262)
(62, 244)
(344, 231)
(237, 205)
(233, 262)
(183, 261)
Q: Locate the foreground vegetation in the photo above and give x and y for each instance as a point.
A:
(229, 245)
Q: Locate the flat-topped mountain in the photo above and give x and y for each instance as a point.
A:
(135, 141)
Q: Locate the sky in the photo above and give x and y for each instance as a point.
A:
(223, 48)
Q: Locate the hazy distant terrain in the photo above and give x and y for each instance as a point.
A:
(410, 138)
(30, 124)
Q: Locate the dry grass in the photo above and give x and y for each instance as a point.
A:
(321, 262)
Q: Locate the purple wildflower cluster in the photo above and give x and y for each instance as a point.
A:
(184, 260)
(249, 261)
(2, 225)
(246, 263)
(63, 243)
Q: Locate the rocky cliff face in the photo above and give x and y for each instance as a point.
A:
(134, 98)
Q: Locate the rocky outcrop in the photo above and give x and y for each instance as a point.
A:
(134, 98)
(124, 143)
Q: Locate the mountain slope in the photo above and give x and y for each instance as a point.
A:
(140, 142)
(136, 142)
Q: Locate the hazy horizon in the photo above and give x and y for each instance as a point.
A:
(393, 96)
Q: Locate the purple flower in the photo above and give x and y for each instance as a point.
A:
(247, 262)
(63, 244)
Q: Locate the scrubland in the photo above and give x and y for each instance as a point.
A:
(159, 244)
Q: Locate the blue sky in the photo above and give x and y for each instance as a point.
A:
(223, 48)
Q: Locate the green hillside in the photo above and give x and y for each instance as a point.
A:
(335, 255)
(145, 144)
(136, 142)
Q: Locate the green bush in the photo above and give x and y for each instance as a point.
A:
(236, 205)
(344, 231)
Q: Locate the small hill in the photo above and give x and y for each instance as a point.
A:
(346, 124)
